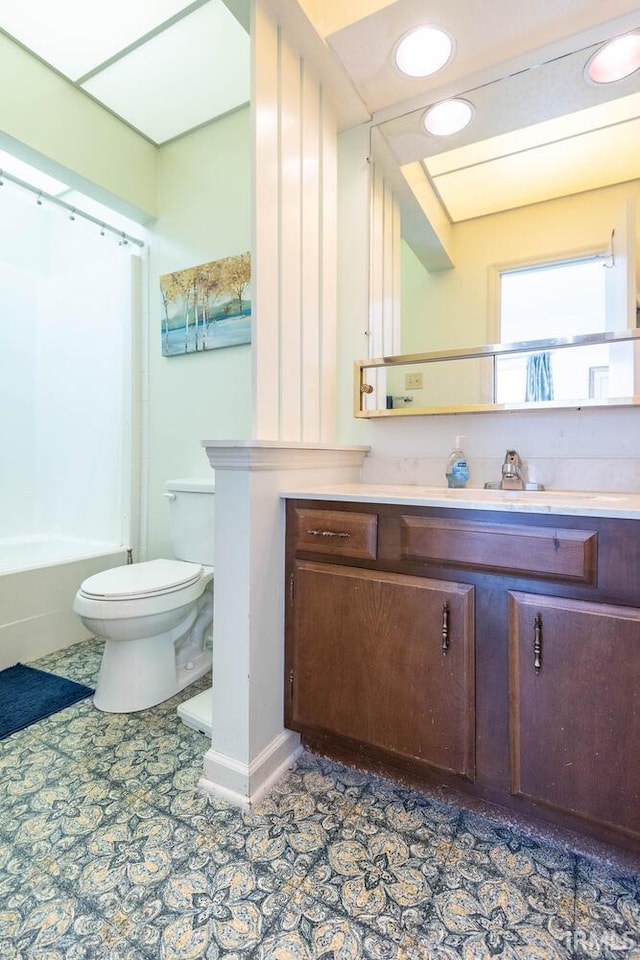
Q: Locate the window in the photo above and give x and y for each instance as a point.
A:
(555, 300)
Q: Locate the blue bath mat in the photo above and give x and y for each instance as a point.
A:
(28, 695)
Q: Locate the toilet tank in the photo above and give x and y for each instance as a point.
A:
(191, 519)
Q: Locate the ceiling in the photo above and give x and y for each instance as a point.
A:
(491, 41)
(539, 130)
(167, 66)
(163, 66)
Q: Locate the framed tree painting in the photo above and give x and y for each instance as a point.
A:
(207, 306)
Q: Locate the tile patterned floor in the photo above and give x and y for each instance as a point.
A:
(108, 851)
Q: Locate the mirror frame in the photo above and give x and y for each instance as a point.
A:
(492, 351)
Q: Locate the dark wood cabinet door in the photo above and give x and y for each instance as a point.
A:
(385, 659)
(575, 707)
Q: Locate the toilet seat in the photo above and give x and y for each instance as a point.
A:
(135, 581)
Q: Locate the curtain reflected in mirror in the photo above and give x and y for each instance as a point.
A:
(539, 377)
(560, 375)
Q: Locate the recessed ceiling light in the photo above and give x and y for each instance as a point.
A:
(423, 51)
(447, 117)
(615, 60)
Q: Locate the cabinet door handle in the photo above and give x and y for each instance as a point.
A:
(328, 533)
(537, 643)
(444, 646)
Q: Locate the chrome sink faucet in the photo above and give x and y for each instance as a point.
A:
(512, 478)
(513, 475)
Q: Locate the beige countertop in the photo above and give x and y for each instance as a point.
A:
(561, 502)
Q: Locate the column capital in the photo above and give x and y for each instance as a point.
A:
(280, 455)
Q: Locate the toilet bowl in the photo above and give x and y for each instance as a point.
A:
(156, 617)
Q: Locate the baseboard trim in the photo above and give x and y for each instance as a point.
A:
(245, 784)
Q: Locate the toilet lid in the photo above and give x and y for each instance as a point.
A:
(141, 579)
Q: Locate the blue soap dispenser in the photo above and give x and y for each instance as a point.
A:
(457, 467)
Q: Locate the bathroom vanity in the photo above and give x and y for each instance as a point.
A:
(481, 640)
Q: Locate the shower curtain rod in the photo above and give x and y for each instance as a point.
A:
(73, 211)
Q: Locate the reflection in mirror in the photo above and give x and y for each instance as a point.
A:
(547, 170)
(440, 384)
(589, 370)
(562, 299)
(452, 308)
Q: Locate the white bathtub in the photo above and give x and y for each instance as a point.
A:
(39, 578)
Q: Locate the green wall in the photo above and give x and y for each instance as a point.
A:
(44, 119)
(204, 207)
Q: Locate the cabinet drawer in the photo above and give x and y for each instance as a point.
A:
(337, 533)
(549, 552)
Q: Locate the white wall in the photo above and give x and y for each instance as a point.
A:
(204, 204)
(353, 274)
(578, 449)
(294, 394)
(384, 277)
(294, 192)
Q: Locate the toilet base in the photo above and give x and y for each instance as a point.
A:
(197, 712)
(138, 674)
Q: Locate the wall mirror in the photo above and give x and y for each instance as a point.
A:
(546, 172)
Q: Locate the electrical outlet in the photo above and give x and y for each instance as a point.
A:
(413, 381)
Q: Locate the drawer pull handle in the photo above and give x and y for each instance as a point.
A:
(444, 646)
(537, 644)
(328, 533)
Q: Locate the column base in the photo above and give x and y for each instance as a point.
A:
(245, 784)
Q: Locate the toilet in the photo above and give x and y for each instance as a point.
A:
(157, 616)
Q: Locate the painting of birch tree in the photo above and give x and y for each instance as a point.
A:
(207, 306)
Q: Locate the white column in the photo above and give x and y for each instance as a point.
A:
(294, 410)
(250, 748)
(294, 241)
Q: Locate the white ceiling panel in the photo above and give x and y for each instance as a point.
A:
(597, 158)
(604, 116)
(76, 36)
(182, 77)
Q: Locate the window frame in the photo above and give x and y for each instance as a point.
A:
(495, 271)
